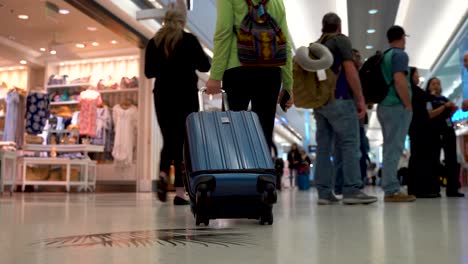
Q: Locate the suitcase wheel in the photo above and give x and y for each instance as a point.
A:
(270, 195)
(202, 204)
(267, 217)
(200, 219)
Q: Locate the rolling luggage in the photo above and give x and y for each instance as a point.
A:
(229, 169)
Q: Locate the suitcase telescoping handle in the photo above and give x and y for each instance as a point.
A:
(201, 101)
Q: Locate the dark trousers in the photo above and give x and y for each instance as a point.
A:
(448, 142)
(258, 86)
(172, 111)
(423, 164)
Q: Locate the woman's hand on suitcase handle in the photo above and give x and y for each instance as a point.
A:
(213, 87)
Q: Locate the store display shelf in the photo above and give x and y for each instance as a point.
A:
(64, 148)
(65, 103)
(131, 90)
(72, 85)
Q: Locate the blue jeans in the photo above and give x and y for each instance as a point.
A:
(337, 121)
(337, 158)
(395, 122)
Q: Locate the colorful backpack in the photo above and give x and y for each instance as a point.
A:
(260, 41)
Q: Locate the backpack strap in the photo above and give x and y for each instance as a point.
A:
(387, 65)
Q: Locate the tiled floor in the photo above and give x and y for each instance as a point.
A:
(134, 228)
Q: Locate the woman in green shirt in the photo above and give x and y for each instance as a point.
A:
(259, 86)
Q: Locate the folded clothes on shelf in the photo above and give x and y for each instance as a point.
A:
(57, 80)
(127, 83)
(108, 84)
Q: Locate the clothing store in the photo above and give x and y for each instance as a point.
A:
(75, 114)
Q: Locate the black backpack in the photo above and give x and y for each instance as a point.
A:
(374, 86)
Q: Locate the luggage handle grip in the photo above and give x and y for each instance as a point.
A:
(201, 100)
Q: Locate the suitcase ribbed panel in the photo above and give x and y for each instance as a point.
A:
(227, 142)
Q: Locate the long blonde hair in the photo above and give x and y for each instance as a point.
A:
(172, 31)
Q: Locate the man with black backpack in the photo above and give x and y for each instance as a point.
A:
(252, 57)
(395, 112)
(339, 119)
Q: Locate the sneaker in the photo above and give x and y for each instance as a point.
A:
(359, 198)
(328, 200)
(400, 197)
(161, 189)
(180, 201)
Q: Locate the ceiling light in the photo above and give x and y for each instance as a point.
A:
(23, 17)
(369, 47)
(80, 45)
(42, 49)
(92, 28)
(62, 64)
(11, 68)
(21, 67)
(53, 52)
(64, 11)
(373, 11)
(370, 31)
(23, 62)
(95, 44)
(114, 42)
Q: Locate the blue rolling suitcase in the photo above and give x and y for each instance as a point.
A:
(229, 169)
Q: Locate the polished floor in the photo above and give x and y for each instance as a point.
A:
(61, 228)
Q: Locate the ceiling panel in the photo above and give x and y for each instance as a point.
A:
(44, 27)
(360, 21)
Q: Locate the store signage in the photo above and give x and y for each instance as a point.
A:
(459, 116)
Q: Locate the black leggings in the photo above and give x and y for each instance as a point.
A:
(258, 86)
(448, 143)
(172, 111)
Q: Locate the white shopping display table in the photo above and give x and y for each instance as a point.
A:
(87, 166)
(7, 156)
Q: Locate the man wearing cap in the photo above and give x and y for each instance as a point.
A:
(395, 113)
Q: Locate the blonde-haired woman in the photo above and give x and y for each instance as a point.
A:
(172, 57)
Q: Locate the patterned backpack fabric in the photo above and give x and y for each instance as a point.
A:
(260, 40)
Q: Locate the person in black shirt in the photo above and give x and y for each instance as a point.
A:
(423, 178)
(172, 57)
(441, 110)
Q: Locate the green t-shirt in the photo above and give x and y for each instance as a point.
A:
(231, 13)
(396, 60)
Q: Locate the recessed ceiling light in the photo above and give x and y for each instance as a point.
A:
(62, 64)
(64, 11)
(95, 44)
(373, 11)
(92, 28)
(369, 47)
(371, 31)
(42, 49)
(53, 52)
(80, 45)
(114, 42)
(21, 67)
(23, 62)
(23, 17)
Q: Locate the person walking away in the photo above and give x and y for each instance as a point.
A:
(172, 57)
(338, 119)
(441, 110)
(423, 179)
(294, 162)
(249, 75)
